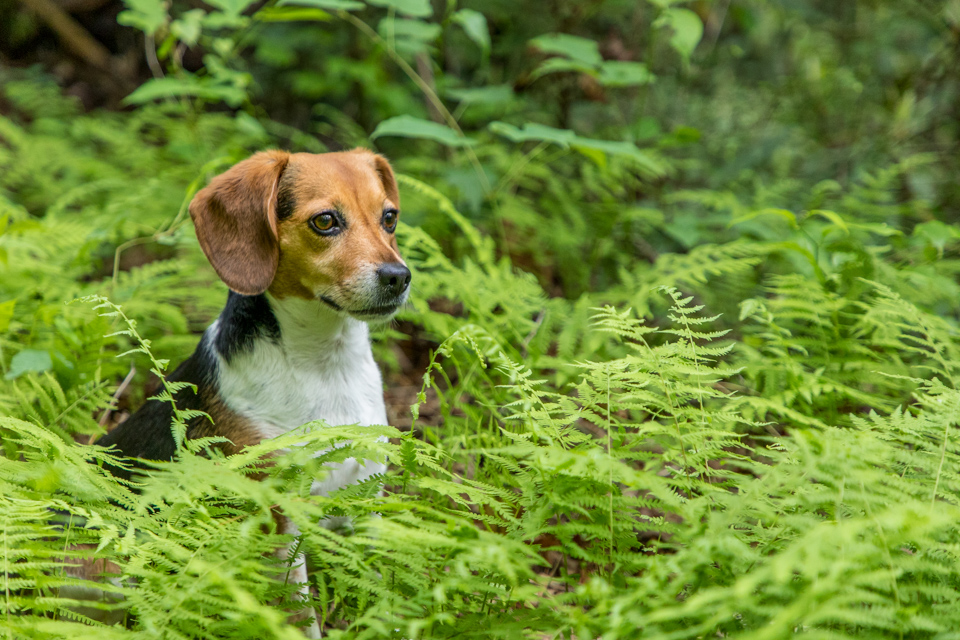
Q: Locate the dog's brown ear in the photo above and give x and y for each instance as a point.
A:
(236, 221)
(386, 177)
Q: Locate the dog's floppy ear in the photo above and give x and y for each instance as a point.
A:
(236, 221)
(386, 177)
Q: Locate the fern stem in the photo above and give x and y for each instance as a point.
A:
(943, 456)
(6, 578)
(610, 467)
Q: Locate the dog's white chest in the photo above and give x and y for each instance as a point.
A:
(306, 376)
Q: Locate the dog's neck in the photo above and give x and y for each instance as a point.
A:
(306, 329)
(311, 329)
(283, 363)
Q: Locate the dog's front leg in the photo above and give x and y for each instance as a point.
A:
(297, 574)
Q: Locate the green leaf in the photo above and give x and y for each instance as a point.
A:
(410, 127)
(6, 314)
(492, 94)
(29, 360)
(582, 50)
(292, 14)
(408, 455)
(231, 7)
(188, 26)
(146, 15)
(687, 30)
(537, 132)
(409, 29)
(833, 217)
(937, 234)
(414, 8)
(560, 65)
(330, 5)
(568, 139)
(188, 86)
(409, 37)
(621, 148)
(616, 73)
(783, 213)
(474, 24)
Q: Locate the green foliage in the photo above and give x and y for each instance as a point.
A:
(690, 382)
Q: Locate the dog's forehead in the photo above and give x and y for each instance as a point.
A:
(349, 179)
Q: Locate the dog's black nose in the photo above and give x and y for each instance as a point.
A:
(394, 278)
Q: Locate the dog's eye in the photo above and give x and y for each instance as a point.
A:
(390, 217)
(326, 223)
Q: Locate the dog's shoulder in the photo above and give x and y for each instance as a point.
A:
(146, 433)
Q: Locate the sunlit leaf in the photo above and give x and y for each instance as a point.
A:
(29, 360)
(409, 37)
(582, 50)
(833, 217)
(475, 26)
(687, 30)
(146, 15)
(616, 73)
(231, 7)
(410, 127)
(567, 139)
(537, 132)
(329, 5)
(189, 86)
(492, 94)
(560, 65)
(292, 14)
(188, 26)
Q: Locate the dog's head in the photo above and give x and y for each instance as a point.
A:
(313, 226)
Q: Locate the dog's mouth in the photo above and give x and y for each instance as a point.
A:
(378, 312)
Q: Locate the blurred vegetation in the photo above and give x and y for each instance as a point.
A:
(681, 358)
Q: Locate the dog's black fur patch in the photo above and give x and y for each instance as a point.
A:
(147, 434)
(243, 321)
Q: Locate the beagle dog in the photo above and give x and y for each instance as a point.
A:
(306, 244)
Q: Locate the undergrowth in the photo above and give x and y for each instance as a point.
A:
(661, 412)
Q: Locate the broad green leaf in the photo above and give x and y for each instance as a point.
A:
(938, 234)
(492, 94)
(687, 30)
(587, 146)
(783, 213)
(188, 26)
(231, 7)
(621, 148)
(833, 217)
(6, 314)
(475, 26)
(537, 132)
(409, 37)
(616, 73)
(29, 360)
(410, 127)
(414, 8)
(559, 65)
(188, 86)
(292, 14)
(146, 15)
(329, 5)
(576, 48)
(224, 20)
